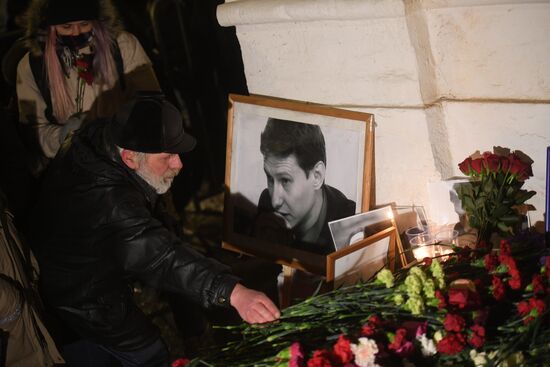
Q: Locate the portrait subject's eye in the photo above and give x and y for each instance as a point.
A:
(286, 182)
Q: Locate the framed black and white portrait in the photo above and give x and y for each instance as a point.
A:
(292, 167)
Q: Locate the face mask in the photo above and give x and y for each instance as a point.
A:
(75, 43)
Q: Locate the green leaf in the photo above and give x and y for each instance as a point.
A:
(523, 195)
(474, 222)
(511, 219)
(500, 210)
(467, 202)
(489, 186)
(504, 228)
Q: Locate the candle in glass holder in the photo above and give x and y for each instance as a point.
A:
(422, 246)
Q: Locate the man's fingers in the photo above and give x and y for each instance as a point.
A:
(259, 314)
(253, 306)
(270, 306)
(265, 314)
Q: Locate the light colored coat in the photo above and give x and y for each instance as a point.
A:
(100, 101)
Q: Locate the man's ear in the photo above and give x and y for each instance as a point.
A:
(130, 158)
(318, 172)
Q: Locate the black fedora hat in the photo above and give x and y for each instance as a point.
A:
(150, 124)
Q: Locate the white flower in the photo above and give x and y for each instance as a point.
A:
(479, 359)
(427, 344)
(365, 352)
(438, 335)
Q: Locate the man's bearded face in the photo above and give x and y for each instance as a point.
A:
(159, 170)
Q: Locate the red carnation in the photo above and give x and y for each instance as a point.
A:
(441, 298)
(505, 248)
(510, 265)
(458, 297)
(401, 346)
(375, 320)
(477, 338)
(523, 308)
(180, 362)
(296, 355)
(452, 343)
(368, 329)
(537, 304)
(515, 283)
(454, 322)
(490, 262)
(320, 358)
(498, 288)
(342, 350)
(398, 340)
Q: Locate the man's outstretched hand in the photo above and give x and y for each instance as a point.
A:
(254, 307)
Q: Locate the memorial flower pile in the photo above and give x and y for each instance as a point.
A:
(482, 307)
(494, 198)
(486, 306)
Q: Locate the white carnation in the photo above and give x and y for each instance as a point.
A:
(428, 345)
(365, 352)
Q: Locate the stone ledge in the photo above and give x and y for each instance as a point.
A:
(243, 12)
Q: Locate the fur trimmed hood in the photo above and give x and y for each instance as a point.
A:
(36, 30)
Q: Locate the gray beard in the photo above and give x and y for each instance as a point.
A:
(159, 183)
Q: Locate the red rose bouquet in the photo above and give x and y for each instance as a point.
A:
(493, 197)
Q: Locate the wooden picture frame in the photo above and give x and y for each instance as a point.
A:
(380, 246)
(349, 137)
(355, 263)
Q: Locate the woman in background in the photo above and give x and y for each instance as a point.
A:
(80, 66)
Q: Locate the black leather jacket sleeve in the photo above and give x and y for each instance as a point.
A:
(148, 251)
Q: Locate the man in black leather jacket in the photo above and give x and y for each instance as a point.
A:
(98, 226)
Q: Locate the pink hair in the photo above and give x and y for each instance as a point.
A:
(103, 65)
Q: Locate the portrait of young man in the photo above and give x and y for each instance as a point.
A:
(296, 206)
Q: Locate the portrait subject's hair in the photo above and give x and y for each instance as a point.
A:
(281, 138)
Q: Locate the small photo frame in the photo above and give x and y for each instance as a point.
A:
(280, 195)
(361, 260)
(347, 231)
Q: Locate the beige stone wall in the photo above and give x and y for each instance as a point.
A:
(442, 77)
